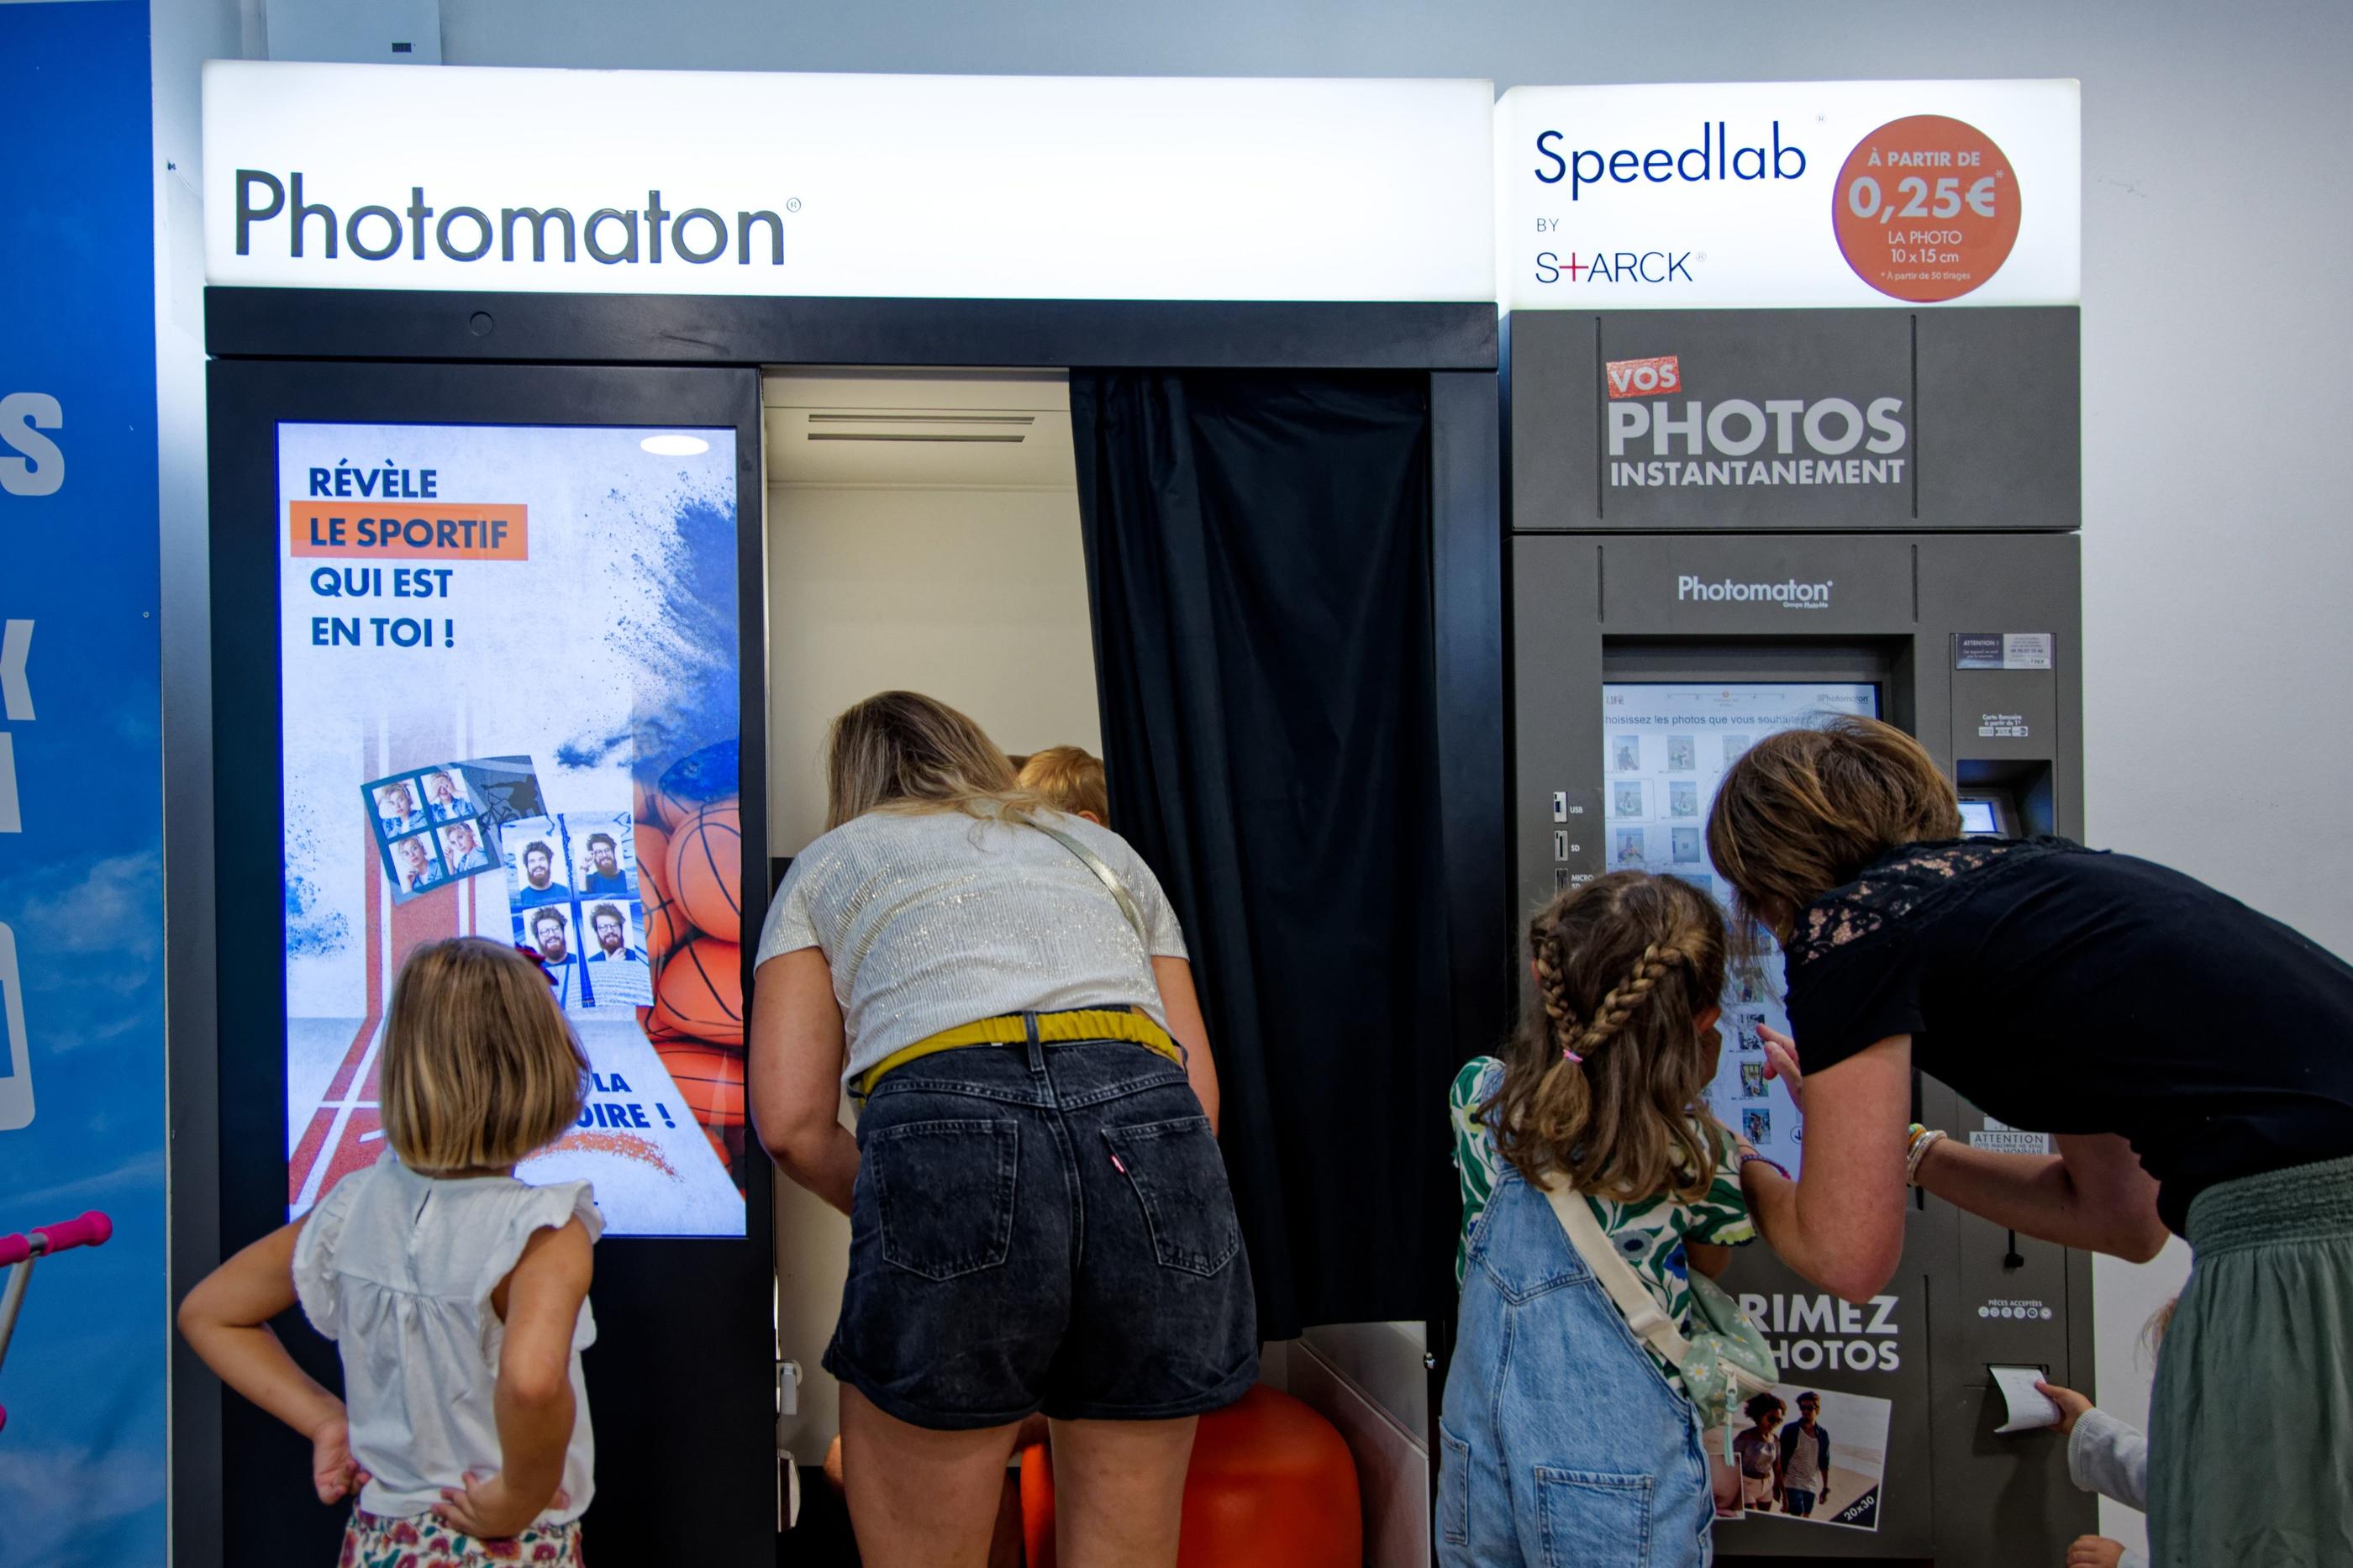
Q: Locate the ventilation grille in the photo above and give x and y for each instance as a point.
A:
(993, 430)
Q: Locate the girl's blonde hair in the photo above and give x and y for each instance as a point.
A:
(1624, 967)
(1804, 811)
(901, 751)
(480, 1068)
(1071, 778)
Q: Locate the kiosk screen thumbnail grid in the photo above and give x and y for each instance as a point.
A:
(1666, 748)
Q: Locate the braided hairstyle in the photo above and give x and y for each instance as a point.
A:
(1603, 1081)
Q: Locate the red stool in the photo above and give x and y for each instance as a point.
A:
(1272, 1486)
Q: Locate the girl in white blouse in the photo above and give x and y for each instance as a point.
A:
(457, 1294)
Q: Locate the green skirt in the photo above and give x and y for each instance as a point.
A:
(2250, 1424)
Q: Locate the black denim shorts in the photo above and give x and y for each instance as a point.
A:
(1043, 1227)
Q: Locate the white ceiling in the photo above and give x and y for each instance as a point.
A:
(944, 430)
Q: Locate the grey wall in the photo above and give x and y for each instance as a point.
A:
(182, 35)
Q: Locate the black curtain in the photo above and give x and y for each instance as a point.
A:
(1258, 562)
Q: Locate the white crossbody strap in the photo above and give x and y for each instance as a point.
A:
(1103, 874)
(1650, 1325)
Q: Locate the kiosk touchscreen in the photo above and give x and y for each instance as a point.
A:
(1667, 747)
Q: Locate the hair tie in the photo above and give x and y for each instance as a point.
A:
(1568, 1055)
(536, 957)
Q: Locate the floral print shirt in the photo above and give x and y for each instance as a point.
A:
(1650, 1234)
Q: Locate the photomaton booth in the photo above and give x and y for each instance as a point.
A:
(582, 442)
(542, 552)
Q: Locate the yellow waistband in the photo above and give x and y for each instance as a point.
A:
(1088, 1024)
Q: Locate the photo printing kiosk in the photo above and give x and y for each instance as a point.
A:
(1733, 519)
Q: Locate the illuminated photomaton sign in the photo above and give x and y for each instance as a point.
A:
(919, 187)
(1779, 194)
(267, 214)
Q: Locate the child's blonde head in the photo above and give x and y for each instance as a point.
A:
(481, 1069)
(1072, 780)
(1625, 965)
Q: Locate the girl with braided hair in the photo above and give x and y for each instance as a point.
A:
(1565, 1438)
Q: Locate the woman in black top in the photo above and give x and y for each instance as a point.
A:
(2192, 1058)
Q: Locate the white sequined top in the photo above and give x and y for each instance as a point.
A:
(931, 919)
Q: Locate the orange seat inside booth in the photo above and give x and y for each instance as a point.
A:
(1271, 1485)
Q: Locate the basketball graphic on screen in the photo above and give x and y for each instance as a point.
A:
(704, 778)
(647, 806)
(701, 992)
(653, 857)
(710, 1082)
(719, 1145)
(666, 925)
(706, 870)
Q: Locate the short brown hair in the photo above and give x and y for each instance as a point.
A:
(1604, 1080)
(480, 1068)
(1072, 780)
(1804, 811)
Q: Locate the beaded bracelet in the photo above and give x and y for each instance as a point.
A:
(1923, 1139)
(1753, 1157)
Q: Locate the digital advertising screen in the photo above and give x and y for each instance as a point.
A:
(1667, 746)
(511, 708)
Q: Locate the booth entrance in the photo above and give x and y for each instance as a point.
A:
(913, 553)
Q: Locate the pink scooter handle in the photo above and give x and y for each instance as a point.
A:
(92, 1230)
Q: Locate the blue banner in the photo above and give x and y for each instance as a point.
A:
(83, 1465)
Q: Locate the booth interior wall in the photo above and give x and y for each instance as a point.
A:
(976, 596)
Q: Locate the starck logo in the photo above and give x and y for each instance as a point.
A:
(1791, 595)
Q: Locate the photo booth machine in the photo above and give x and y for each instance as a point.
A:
(524, 363)
(1680, 587)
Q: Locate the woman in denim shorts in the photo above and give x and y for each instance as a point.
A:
(1040, 1218)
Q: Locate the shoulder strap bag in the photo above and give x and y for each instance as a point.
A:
(1722, 1364)
(1103, 874)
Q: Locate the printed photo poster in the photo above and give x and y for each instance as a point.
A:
(435, 824)
(516, 648)
(1830, 1472)
(572, 891)
(1668, 746)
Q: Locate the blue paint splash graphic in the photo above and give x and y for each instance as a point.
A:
(689, 689)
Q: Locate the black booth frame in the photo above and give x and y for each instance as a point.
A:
(402, 356)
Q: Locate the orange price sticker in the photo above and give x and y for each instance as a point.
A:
(1926, 208)
(428, 531)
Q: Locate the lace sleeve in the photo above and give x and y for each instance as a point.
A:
(1903, 889)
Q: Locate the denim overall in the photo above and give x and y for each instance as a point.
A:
(1565, 1446)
